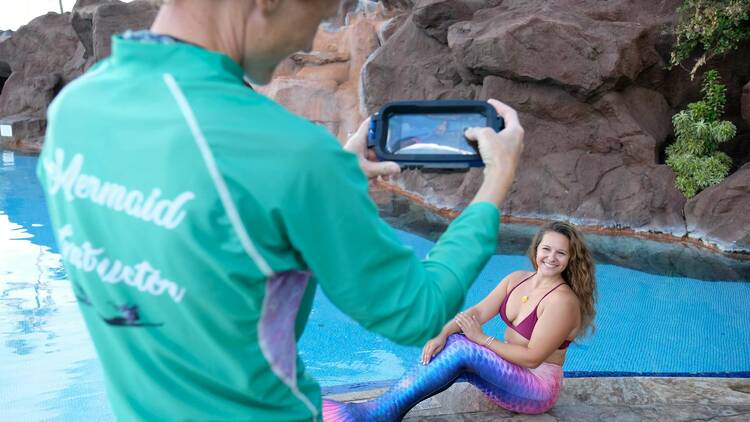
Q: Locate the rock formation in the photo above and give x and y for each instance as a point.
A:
(587, 77)
(51, 51)
(4, 66)
(590, 85)
(746, 103)
(719, 213)
(324, 85)
(39, 56)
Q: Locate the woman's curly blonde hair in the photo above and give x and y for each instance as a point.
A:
(579, 274)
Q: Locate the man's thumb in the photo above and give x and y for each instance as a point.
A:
(385, 168)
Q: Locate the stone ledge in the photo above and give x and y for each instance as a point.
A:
(595, 399)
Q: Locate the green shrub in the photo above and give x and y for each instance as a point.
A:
(694, 155)
(713, 26)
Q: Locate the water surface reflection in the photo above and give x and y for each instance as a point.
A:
(651, 256)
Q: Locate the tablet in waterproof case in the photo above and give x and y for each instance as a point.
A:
(430, 134)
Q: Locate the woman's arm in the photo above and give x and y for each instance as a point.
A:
(487, 307)
(560, 317)
(490, 305)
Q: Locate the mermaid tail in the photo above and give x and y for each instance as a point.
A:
(334, 411)
(508, 385)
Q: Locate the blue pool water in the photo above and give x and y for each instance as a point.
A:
(648, 324)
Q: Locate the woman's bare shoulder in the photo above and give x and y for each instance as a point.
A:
(516, 276)
(563, 296)
(508, 282)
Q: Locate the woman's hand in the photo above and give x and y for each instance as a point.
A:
(357, 144)
(432, 348)
(471, 327)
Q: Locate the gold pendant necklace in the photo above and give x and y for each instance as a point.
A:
(524, 299)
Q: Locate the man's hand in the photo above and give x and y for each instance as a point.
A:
(357, 144)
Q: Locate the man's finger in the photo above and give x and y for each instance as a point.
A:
(505, 111)
(473, 133)
(363, 127)
(357, 142)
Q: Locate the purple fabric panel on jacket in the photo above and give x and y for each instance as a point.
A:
(284, 293)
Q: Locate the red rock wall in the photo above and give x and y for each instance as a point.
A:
(52, 50)
(589, 81)
(325, 85)
(587, 77)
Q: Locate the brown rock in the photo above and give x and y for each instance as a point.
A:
(112, 18)
(42, 48)
(387, 28)
(323, 85)
(545, 43)
(556, 121)
(595, 163)
(51, 51)
(397, 4)
(719, 214)
(4, 66)
(587, 78)
(594, 137)
(434, 17)
(315, 99)
(411, 65)
(679, 89)
(745, 101)
(42, 56)
(361, 41)
(28, 133)
(318, 58)
(592, 162)
(345, 7)
(82, 20)
(337, 72)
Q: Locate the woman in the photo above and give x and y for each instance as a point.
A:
(212, 214)
(544, 310)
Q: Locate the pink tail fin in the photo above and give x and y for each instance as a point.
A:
(334, 411)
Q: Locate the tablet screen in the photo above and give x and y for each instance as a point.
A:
(433, 133)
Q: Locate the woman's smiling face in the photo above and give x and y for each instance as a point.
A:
(552, 254)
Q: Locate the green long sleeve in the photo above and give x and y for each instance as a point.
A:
(362, 266)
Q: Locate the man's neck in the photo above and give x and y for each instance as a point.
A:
(197, 23)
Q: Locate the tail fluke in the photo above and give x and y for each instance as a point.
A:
(334, 411)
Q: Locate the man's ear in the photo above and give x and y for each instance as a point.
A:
(268, 6)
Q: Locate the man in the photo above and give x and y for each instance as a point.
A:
(196, 217)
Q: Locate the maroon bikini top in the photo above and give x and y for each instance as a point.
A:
(526, 327)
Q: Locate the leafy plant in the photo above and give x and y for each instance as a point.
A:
(694, 156)
(714, 26)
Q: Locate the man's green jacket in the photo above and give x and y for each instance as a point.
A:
(196, 217)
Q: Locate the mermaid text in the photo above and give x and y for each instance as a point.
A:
(165, 213)
(141, 276)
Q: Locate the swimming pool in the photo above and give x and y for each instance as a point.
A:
(648, 324)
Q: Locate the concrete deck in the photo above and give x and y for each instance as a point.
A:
(597, 399)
